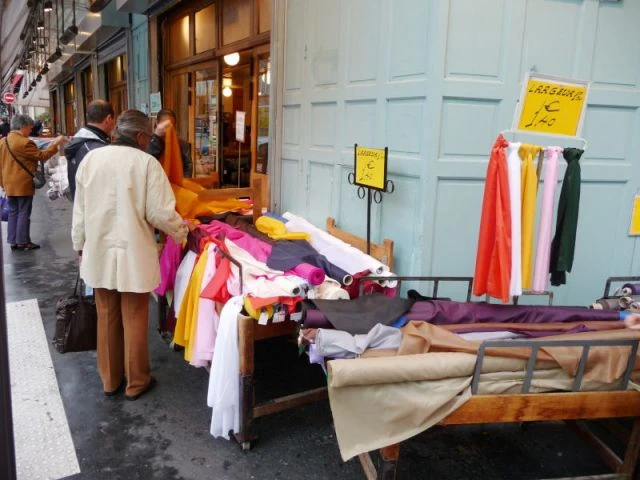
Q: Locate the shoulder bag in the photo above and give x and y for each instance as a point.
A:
(39, 180)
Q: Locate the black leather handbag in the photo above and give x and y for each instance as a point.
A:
(76, 322)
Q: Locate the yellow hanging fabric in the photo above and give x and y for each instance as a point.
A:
(529, 185)
(187, 321)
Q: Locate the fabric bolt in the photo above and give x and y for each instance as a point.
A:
(564, 241)
(183, 276)
(288, 254)
(19, 221)
(122, 343)
(277, 230)
(314, 275)
(207, 319)
(170, 259)
(361, 314)
(333, 343)
(186, 324)
(514, 170)
(630, 289)
(314, 318)
(606, 304)
(493, 260)
(449, 312)
(339, 253)
(529, 186)
(224, 389)
(543, 247)
(330, 289)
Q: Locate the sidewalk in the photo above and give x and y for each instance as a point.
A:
(165, 434)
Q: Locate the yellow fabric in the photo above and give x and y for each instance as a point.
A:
(255, 313)
(187, 321)
(276, 230)
(529, 185)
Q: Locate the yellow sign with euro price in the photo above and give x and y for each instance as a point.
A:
(551, 105)
(371, 167)
(634, 228)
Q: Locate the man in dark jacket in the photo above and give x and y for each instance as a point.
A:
(100, 123)
(156, 146)
(4, 127)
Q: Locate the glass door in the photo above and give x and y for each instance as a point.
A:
(205, 138)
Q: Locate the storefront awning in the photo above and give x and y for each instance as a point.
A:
(16, 81)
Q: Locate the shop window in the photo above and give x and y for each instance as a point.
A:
(264, 16)
(117, 83)
(205, 29)
(69, 108)
(87, 88)
(236, 20)
(177, 39)
(264, 86)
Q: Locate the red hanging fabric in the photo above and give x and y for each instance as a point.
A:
(493, 261)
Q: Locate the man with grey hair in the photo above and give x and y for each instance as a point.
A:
(122, 194)
(19, 157)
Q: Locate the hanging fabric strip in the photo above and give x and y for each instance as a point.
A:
(543, 247)
(493, 261)
(564, 241)
(513, 162)
(529, 194)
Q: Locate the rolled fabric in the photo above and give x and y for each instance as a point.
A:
(634, 307)
(596, 306)
(624, 302)
(630, 289)
(313, 275)
(330, 290)
(608, 303)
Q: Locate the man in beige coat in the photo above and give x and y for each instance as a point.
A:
(19, 157)
(122, 194)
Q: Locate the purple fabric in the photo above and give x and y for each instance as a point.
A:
(313, 275)
(169, 262)
(634, 288)
(442, 312)
(288, 254)
(19, 221)
(315, 319)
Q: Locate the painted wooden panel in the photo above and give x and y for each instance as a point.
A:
(324, 48)
(320, 189)
(291, 128)
(551, 36)
(620, 122)
(291, 196)
(360, 118)
(474, 38)
(405, 124)
(469, 127)
(323, 124)
(616, 58)
(354, 218)
(408, 20)
(295, 45)
(363, 37)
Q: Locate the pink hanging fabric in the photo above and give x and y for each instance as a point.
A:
(169, 262)
(541, 269)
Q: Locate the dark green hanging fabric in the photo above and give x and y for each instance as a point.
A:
(564, 241)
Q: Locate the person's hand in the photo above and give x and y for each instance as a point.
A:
(60, 139)
(161, 128)
(633, 321)
(190, 225)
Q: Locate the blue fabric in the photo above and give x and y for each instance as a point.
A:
(624, 314)
(399, 323)
(276, 216)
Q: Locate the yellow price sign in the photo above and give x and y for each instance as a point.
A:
(371, 167)
(634, 228)
(551, 105)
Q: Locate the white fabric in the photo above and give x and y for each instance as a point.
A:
(122, 194)
(183, 275)
(513, 168)
(261, 281)
(329, 289)
(480, 336)
(337, 343)
(224, 380)
(341, 254)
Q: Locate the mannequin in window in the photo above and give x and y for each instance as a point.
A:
(165, 118)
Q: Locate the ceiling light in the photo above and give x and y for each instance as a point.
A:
(232, 59)
(48, 5)
(226, 91)
(69, 34)
(226, 82)
(55, 56)
(40, 25)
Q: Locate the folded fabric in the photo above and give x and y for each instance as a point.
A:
(361, 314)
(332, 343)
(448, 312)
(288, 254)
(277, 230)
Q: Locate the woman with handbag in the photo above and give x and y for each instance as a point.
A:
(122, 194)
(20, 176)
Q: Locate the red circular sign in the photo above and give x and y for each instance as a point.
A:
(8, 97)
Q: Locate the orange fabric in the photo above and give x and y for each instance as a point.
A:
(493, 261)
(171, 158)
